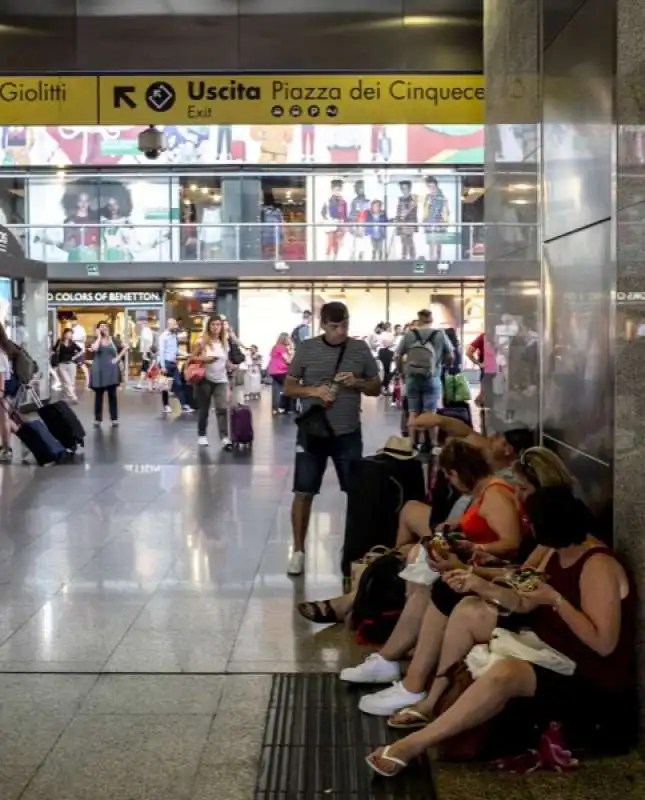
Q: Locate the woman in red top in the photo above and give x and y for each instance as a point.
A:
(586, 611)
(490, 525)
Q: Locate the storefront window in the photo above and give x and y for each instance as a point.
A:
(367, 305)
(94, 219)
(267, 311)
(474, 319)
(190, 305)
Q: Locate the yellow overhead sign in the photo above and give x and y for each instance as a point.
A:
(264, 99)
(241, 99)
(48, 100)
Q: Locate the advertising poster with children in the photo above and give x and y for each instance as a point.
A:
(372, 216)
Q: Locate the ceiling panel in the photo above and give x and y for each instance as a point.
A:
(115, 8)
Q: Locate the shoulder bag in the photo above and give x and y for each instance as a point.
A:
(313, 424)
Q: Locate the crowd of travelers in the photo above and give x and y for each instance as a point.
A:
(516, 619)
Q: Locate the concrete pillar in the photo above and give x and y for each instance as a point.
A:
(628, 315)
(511, 63)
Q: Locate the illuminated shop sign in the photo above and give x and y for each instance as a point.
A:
(100, 298)
(242, 99)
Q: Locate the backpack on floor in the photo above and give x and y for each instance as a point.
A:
(379, 600)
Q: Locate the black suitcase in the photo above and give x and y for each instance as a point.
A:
(44, 447)
(379, 487)
(63, 424)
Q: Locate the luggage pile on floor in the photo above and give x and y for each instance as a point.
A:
(52, 438)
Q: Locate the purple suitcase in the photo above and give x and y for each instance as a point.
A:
(242, 426)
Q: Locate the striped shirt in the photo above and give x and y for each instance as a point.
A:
(314, 364)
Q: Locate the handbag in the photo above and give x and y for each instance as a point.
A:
(470, 744)
(313, 423)
(359, 566)
(235, 354)
(195, 373)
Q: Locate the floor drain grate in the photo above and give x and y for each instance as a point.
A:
(315, 742)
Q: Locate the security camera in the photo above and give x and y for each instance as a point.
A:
(152, 143)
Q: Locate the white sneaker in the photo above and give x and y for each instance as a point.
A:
(296, 565)
(226, 443)
(167, 410)
(389, 701)
(187, 409)
(202, 441)
(375, 669)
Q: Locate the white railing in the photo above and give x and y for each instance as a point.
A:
(397, 240)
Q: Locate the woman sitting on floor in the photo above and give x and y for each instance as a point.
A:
(425, 616)
(490, 523)
(586, 612)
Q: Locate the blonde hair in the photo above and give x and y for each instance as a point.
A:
(206, 335)
(541, 467)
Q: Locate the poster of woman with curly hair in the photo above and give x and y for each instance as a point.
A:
(113, 220)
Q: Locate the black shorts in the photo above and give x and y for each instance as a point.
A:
(146, 363)
(445, 599)
(344, 450)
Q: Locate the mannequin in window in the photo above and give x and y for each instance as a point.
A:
(407, 216)
(358, 214)
(188, 233)
(272, 231)
(334, 211)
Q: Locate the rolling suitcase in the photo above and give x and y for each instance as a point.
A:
(379, 487)
(63, 424)
(44, 447)
(241, 426)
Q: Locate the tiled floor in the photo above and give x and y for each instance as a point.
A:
(143, 600)
(143, 604)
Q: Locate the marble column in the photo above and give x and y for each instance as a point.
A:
(628, 316)
(511, 63)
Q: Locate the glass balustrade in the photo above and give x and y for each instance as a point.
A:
(286, 242)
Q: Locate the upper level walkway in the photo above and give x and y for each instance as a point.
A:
(122, 241)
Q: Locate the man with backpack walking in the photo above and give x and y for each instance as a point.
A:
(422, 354)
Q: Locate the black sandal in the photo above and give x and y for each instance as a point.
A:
(321, 612)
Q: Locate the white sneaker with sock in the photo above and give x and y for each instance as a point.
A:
(375, 669)
(389, 701)
(202, 441)
(296, 564)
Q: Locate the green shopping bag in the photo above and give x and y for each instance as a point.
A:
(456, 389)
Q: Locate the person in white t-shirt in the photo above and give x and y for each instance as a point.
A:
(6, 352)
(79, 337)
(211, 351)
(385, 353)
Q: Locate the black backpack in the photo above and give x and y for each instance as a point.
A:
(379, 600)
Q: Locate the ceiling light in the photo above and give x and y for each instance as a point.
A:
(521, 187)
(521, 201)
(193, 187)
(204, 190)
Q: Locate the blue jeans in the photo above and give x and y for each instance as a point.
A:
(423, 394)
(311, 462)
(174, 375)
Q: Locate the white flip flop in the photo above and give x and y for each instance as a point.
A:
(422, 720)
(384, 755)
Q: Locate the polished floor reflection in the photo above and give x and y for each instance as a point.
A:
(149, 556)
(143, 600)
